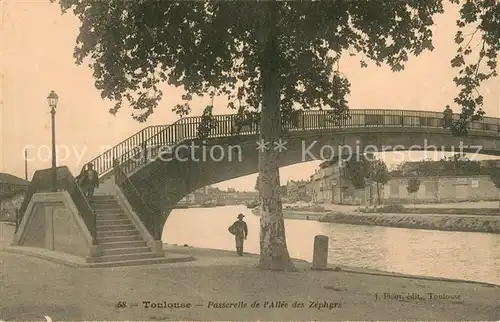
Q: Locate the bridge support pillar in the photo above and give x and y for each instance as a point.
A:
(320, 253)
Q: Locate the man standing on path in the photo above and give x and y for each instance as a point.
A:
(91, 180)
(240, 231)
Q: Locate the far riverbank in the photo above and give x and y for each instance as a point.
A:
(464, 223)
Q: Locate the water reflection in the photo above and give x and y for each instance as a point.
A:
(473, 256)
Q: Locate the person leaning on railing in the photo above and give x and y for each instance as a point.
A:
(448, 117)
(81, 177)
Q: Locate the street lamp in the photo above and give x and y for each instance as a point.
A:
(52, 100)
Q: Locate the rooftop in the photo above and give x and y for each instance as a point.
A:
(11, 179)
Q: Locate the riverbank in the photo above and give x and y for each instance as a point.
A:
(480, 211)
(455, 222)
(483, 224)
(197, 290)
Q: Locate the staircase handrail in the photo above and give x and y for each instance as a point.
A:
(134, 197)
(103, 162)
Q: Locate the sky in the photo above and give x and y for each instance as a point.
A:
(36, 56)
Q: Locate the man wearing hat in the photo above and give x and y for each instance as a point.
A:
(240, 231)
(90, 180)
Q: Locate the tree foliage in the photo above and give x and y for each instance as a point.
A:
(357, 170)
(413, 184)
(216, 46)
(494, 174)
(484, 17)
(364, 167)
(377, 171)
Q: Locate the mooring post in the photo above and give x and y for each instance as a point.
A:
(320, 252)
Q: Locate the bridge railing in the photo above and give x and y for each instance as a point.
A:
(103, 163)
(142, 147)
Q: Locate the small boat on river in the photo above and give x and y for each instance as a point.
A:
(252, 204)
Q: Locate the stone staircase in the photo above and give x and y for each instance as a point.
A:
(119, 241)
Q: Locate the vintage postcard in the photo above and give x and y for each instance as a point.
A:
(249, 160)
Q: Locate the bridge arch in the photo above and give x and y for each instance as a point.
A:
(167, 182)
(162, 182)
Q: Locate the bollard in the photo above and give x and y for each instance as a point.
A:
(320, 252)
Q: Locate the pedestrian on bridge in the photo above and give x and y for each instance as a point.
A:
(240, 231)
(448, 117)
(90, 180)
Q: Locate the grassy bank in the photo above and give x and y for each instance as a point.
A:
(433, 210)
(445, 222)
(420, 221)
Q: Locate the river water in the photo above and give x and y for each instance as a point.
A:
(462, 255)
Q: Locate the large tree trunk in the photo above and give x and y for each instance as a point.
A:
(273, 250)
(498, 200)
(378, 195)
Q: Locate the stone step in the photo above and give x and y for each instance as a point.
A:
(122, 244)
(97, 206)
(103, 197)
(125, 251)
(111, 233)
(116, 258)
(111, 216)
(104, 202)
(108, 240)
(109, 211)
(102, 228)
(147, 261)
(112, 222)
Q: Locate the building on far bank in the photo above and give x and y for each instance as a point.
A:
(329, 185)
(210, 194)
(442, 189)
(10, 183)
(12, 191)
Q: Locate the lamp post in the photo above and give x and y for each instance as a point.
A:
(52, 100)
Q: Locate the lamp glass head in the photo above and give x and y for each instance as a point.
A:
(52, 99)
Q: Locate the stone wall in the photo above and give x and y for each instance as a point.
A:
(68, 237)
(442, 189)
(36, 229)
(52, 222)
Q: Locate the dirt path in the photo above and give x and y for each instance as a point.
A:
(33, 288)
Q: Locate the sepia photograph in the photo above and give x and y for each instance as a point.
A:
(218, 160)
